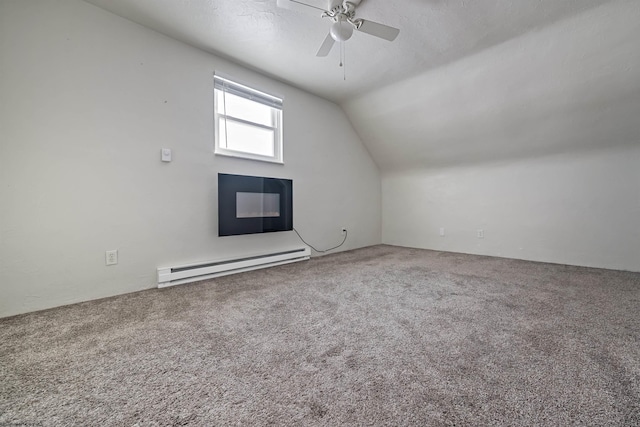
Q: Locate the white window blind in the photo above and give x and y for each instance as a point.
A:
(246, 92)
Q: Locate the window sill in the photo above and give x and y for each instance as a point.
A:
(245, 156)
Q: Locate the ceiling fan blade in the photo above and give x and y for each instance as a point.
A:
(327, 44)
(308, 7)
(379, 30)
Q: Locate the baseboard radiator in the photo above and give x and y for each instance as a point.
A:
(169, 276)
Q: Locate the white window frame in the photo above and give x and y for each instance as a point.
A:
(226, 85)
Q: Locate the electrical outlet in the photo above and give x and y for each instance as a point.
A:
(111, 257)
(441, 231)
(344, 230)
(480, 233)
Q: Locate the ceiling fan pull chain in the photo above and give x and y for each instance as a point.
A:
(344, 62)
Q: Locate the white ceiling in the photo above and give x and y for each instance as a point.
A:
(282, 43)
(466, 81)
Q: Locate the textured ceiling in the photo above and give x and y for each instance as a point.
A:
(282, 43)
(569, 87)
(466, 81)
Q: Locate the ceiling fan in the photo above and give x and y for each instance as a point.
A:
(343, 15)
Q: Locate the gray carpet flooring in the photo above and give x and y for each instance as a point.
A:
(376, 336)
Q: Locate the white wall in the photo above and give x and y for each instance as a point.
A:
(87, 101)
(579, 209)
(535, 140)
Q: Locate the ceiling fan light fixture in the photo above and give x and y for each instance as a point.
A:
(341, 30)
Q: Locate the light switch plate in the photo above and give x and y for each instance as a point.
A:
(166, 154)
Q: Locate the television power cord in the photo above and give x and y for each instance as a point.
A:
(326, 250)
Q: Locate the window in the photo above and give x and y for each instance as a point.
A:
(248, 123)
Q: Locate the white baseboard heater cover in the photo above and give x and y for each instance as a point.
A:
(169, 276)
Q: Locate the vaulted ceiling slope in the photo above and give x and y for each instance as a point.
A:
(465, 81)
(568, 87)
